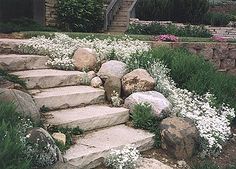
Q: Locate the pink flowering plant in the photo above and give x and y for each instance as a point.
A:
(166, 38)
(219, 39)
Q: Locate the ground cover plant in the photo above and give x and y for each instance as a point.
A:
(211, 115)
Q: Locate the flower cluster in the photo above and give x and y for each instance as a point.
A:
(115, 99)
(61, 47)
(219, 39)
(126, 158)
(166, 38)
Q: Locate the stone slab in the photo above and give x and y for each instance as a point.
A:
(48, 78)
(15, 62)
(88, 118)
(64, 97)
(94, 147)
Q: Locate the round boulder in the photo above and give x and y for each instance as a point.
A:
(179, 137)
(160, 105)
(112, 68)
(23, 102)
(85, 58)
(46, 152)
(112, 84)
(139, 80)
(96, 82)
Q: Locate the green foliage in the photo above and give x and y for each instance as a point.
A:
(142, 117)
(191, 11)
(80, 15)
(205, 165)
(70, 134)
(157, 29)
(217, 19)
(23, 24)
(12, 78)
(12, 149)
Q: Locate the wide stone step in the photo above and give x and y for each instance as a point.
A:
(119, 24)
(88, 118)
(47, 78)
(94, 147)
(64, 97)
(15, 62)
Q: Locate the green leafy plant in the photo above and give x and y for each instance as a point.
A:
(142, 117)
(80, 15)
(13, 78)
(217, 19)
(70, 134)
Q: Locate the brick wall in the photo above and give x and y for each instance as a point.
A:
(222, 55)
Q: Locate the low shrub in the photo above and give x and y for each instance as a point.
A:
(188, 11)
(80, 15)
(217, 19)
(23, 24)
(157, 29)
(143, 118)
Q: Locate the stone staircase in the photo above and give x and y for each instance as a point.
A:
(121, 19)
(71, 104)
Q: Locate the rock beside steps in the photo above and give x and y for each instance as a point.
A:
(73, 104)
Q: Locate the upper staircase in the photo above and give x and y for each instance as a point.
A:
(118, 14)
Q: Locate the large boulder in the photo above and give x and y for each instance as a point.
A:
(150, 163)
(160, 105)
(45, 152)
(112, 84)
(85, 58)
(179, 137)
(139, 80)
(23, 102)
(112, 68)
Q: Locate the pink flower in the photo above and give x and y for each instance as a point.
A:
(166, 38)
(219, 39)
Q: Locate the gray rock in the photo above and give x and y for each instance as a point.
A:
(112, 84)
(46, 152)
(112, 68)
(23, 101)
(179, 137)
(160, 105)
(139, 80)
(85, 58)
(96, 82)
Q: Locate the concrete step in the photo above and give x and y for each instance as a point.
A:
(15, 62)
(64, 97)
(88, 118)
(94, 147)
(48, 78)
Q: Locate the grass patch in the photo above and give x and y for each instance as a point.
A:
(143, 118)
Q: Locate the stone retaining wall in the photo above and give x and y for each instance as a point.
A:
(50, 16)
(222, 55)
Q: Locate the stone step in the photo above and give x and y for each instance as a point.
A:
(48, 78)
(15, 62)
(91, 149)
(120, 19)
(88, 118)
(64, 97)
(119, 24)
(117, 29)
(10, 45)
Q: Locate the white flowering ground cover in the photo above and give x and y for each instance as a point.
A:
(213, 123)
